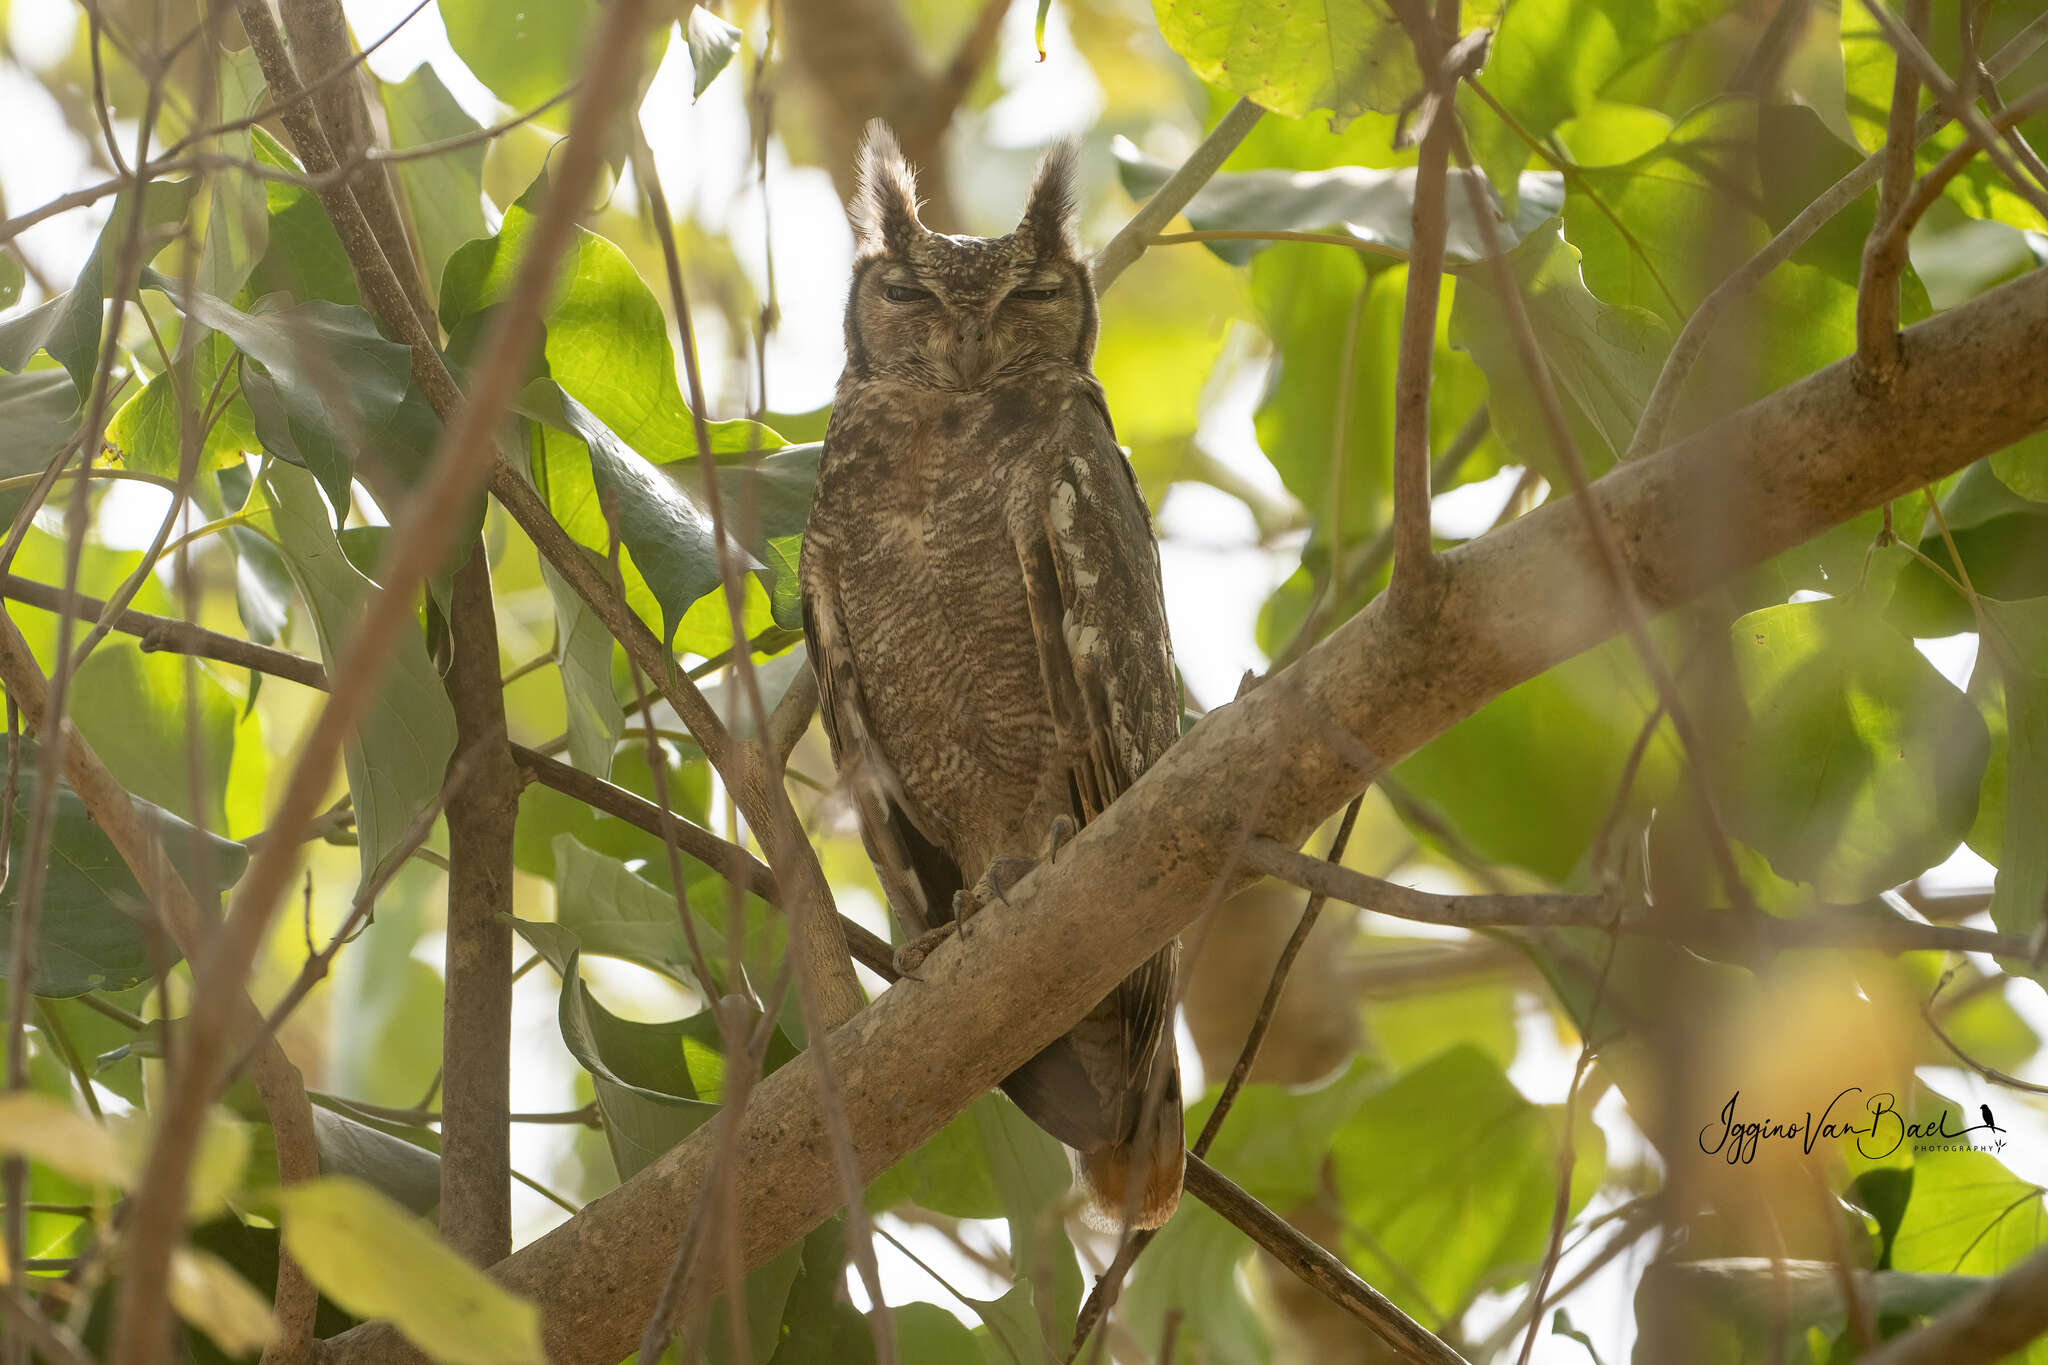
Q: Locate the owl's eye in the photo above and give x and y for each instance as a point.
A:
(904, 293)
(1035, 295)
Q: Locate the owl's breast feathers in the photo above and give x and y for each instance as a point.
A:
(982, 599)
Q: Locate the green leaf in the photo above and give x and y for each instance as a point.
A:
(614, 913)
(1760, 1300)
(212, 1296)
(1192, 1266)
(68, 326)
(712, 44)
(2015, 635)
(445, 190)
(12, 277)
(649, 1093)
(1338, 55)
(148, 431)
(52, 1133)
(927, 1332)
(819, 1327)
(1968, 1215)
(1868, 64)
(304, 259)
(1859, 763)
(607, 339)
(237, 213)
(1530, 777)
(584, 649)
(153, 746)
(673, 542)
(1277, 1136)
(526, 56)
(377, 1261)
(1552, 58)
(1476, 1205)
(401, 1170)
(397, 754)
(90, 936)
(1372, 205)
(39, 413)
(322, 383)
(1602, 358)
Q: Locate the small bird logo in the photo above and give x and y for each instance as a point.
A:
(1989, 1122)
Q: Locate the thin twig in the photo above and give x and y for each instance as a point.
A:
(1317, 1268)
(1877, 292)
(1170, 198)
(1721, 929)
(1415, 567)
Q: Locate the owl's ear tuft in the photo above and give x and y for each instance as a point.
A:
(1049, 211)
(885, 199)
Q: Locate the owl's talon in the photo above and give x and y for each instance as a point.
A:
(1057, 836)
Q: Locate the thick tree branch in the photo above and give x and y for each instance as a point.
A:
(1513, 603)
(2001, 1317)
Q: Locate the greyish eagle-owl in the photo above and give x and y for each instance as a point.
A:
(982, 602)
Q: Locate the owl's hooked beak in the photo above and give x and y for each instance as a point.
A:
(970, 350)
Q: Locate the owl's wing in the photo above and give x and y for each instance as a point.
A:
(1091, 569)
(917, 876)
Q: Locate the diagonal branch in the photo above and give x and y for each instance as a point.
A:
(1999, 1318)
(1169, 199)
(1782, 470)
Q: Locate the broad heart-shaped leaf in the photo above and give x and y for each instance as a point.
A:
(323, 384)
(674, 543)
(1603, 359)
(1480, 1181)
(90, 934)
(614, 913)
(1868, 64)
(377, 1261)
(649, 1091)
(607, 340)
(1346, 56)
(1529, 778)
(1550, 60)
(68, 326)
(1372, 205)
(1968, 1215)
(153, 746)
(149, 430)
(1192, 1268)
(39, 413)
(2015, 635)
(712, 44)
(1858, 764)
(398, 752)
(444, 190)
(531, 52)
(305, 259)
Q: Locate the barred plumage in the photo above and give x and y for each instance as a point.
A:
(982, 604)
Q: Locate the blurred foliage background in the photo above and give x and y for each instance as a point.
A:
(1874, 701)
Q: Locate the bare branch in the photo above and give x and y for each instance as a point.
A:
(1724, 930)
(1414, 565)
(1877, 293)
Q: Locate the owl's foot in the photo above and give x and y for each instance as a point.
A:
(1003, 874)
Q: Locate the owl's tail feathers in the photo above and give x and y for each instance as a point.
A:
(1137, 1180)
